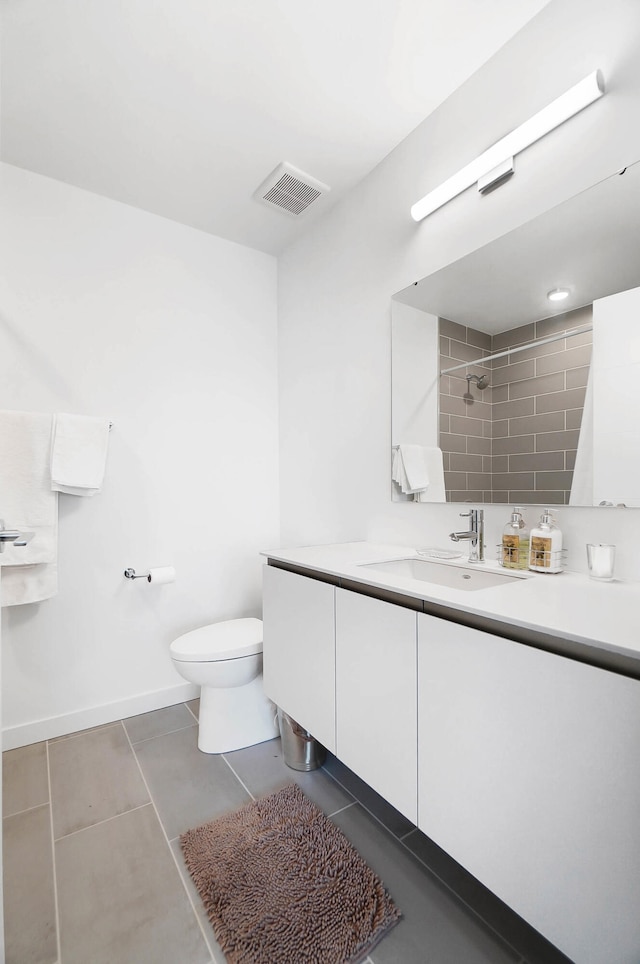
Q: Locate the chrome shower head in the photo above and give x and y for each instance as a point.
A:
(480, 380)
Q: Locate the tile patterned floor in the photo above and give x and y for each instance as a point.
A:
(93, 872)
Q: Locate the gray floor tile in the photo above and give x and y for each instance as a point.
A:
(93, 777)
(188, 787)
(262, 770)
(520, 935)
(214, 947)
(29, 902)
(194, 706)
(436, 927)
(25, 778)
(90, 729)
(372, 801)
(158, 722)
(121, 899)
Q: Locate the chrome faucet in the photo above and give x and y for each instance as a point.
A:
(475, 535)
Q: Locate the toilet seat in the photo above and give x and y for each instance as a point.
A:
(219, 641)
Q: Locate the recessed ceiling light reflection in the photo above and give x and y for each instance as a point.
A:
(558, 294)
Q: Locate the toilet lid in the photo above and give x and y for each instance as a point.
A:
(227, 640)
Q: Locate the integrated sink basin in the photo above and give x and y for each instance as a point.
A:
(455, 577)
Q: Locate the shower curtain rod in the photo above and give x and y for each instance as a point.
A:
(512, 351)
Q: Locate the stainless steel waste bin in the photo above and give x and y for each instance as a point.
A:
(299, 749)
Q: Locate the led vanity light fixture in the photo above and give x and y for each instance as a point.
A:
(496, 164)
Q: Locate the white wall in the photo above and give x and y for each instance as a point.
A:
(171, 333)
(335, 285)
(616, 392)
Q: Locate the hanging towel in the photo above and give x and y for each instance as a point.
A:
(78, 454)
(418, 470)
(410, 468)
(29, 573)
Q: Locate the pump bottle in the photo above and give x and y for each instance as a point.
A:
(545, 548)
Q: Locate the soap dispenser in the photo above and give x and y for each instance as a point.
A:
(515, 542)
(545, 548)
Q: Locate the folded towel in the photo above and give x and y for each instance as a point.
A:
(410, 468)
(27, 504)
(418, 470)
(78, 454)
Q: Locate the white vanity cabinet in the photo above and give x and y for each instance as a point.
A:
(529, 776)
(376, 699)
(299, 650)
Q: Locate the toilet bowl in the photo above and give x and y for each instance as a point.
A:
(225, 660)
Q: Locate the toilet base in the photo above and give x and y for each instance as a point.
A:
(236, 717)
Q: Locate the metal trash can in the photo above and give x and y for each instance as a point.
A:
(300, 750)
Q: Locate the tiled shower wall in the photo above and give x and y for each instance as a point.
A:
(516, 440)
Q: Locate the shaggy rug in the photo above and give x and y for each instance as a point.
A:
(282, 885)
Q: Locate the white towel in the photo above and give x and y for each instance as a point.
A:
(410, 468)
(28, 504)
(419, 471)
(78, 454)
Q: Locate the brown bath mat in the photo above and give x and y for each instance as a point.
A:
(283, 885)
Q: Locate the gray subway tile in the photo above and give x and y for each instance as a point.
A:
(533, 424)
(445, 345)
(536, 462)
(165, 720)
(479, 338)
(570, 459)
(564, 321)
(514, 444)
(453, 405)
(29, 897)
(444, 423)
(513, 373)
(453, 443)
(464, 352)
(451, 329)
(533, 497)
(554, 441)
(500, 393)
(553, 480)
(537, 385)
(564, 360)
(499, 463)
(121, 897)
(466, 426)
(500, 428)
(577, 377)
(514, 408)
(478, 446)
(560, 401)
(513, 337)
(93, 777)
(479, 480)
(465, 495)
(513, 480)
(455, 480)
(574, 418)
(25, 778)
(466, 463)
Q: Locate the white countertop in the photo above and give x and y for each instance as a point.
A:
(568, 605)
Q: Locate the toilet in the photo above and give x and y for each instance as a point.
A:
(225, 660)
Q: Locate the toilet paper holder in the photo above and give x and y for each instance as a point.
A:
(131, 574)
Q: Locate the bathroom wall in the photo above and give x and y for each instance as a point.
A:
(335, 285)
(171, 333)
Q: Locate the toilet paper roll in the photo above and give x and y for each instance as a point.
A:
(161, 575)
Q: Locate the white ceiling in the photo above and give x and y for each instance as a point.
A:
(183, 107)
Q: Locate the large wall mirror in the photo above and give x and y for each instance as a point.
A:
(500, 395)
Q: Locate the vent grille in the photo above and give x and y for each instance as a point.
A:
(290, 190)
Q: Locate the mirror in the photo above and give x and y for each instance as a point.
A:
(507, 397)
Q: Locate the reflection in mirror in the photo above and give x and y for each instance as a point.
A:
(523, 402)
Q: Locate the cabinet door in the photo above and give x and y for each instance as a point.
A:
(376, 704)
(299, 650)
(529, 777)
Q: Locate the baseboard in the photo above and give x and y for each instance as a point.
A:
(39, 730)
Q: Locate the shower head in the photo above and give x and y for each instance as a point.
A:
(480, 380)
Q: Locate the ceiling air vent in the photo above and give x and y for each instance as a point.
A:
(290, 190)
